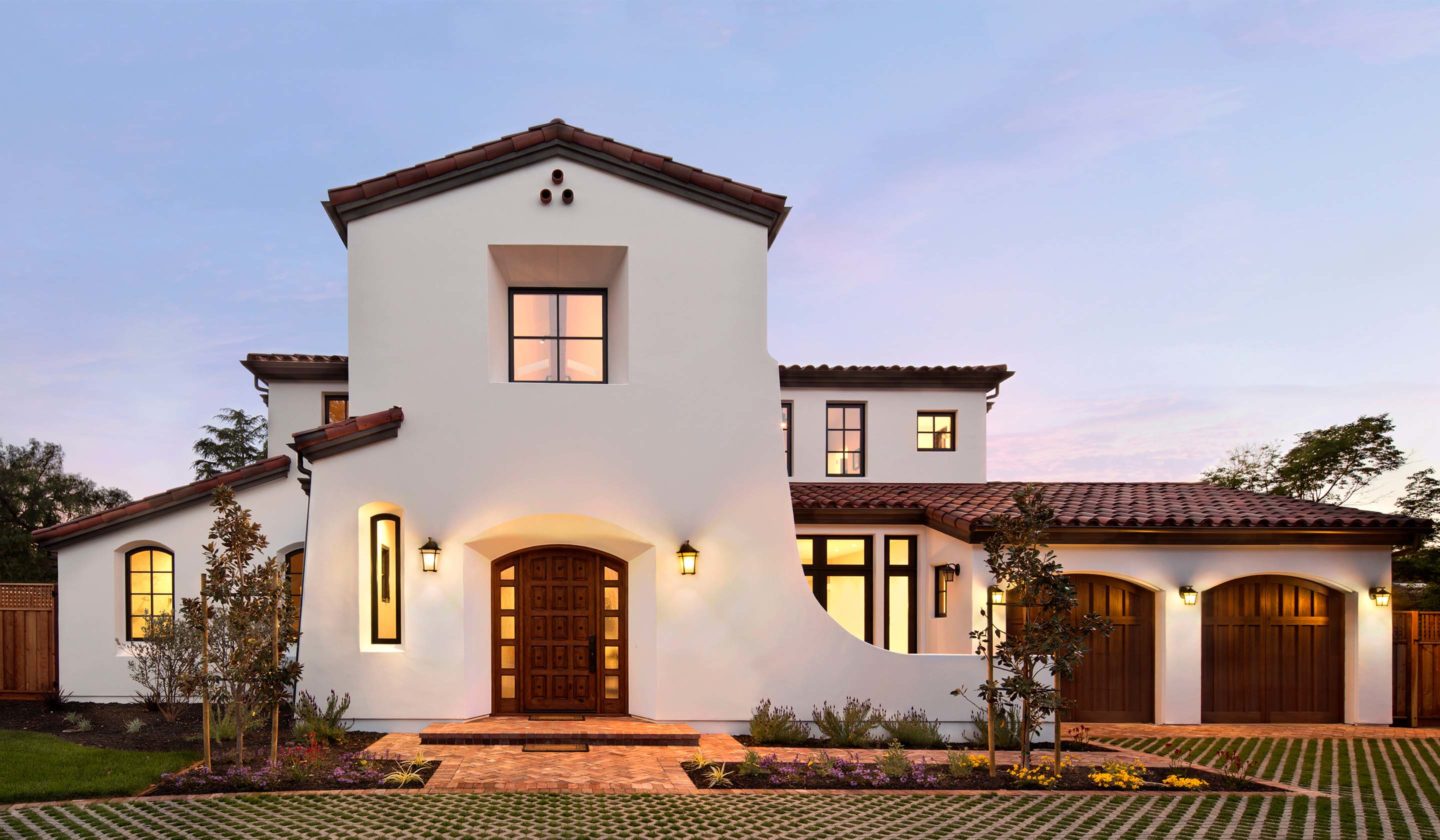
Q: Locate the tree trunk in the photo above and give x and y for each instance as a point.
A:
(1025, 732)
(1057, 722)
(237, 708)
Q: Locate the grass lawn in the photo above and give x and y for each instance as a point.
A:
(40, 767)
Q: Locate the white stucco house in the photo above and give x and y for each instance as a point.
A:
(558, 372)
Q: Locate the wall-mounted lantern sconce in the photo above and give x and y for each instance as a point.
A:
(688, 558)
(943, 575)
(1188, 596)
(1380, 595)
(430, 556)
(995, 595)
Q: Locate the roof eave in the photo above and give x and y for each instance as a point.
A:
(298, 371)
(966, 380)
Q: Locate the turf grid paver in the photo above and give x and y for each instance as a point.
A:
(1365, 788)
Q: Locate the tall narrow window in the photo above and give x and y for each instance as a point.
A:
(295, 576)
(935, 431)
(900, 595)
(557, 336)
(838, 570)
(149, 589)
(844, 439)
(787, 409)
(385, 579)
(335, 407)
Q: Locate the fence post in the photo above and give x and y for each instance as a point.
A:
(1413, 662)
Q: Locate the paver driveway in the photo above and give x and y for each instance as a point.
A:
(1379, 788)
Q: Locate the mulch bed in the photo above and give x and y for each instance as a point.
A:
(108, 722)
(824, 744)
(848, 775)
(301, 767)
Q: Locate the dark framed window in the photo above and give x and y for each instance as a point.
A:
(844, 439)
(839, 571)
(149, 589)
(935, 431)
(787, 411)
(558, 335)
(901, 627)
(334, 408)
(385, 568)
(295, 576)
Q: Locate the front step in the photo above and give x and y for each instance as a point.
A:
(589, 731)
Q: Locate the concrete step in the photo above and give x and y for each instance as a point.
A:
(520, 730)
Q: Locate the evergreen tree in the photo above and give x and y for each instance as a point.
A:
(237, 441)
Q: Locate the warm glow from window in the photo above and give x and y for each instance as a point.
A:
(837, 570)
(557, 336)
(337, 407)
(844, 439)
(149, 589)
(385, 570)
(845, 601)
(295, 574)
(935, 430)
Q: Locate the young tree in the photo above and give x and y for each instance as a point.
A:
(245, 590)
(36, 492)
(238, 440)
(1417, 571)
(1326, 465)
(1053, 638)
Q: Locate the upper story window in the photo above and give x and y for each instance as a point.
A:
(787, 408)
(844, 439)
(149, 589)
(336, 407)
(557, 335)
(935, 431)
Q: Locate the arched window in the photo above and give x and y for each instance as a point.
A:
(149, 589)
(295, 575)
(385, 569)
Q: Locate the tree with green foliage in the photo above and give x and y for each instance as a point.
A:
(1417, 571)
(36, 492)
(1327, 465)
(1053, 639)
(245, 589)
(238, 440)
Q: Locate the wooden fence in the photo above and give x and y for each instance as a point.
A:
(1417, 667)
(29, 658)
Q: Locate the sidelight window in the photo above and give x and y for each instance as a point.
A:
(385, 569)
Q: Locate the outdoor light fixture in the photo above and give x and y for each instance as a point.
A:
(430, 556)
(1380, 595)
(688, 556)
(943, 575)
(1188, 596)
(996, 595)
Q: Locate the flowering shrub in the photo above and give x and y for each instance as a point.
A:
(1117, 775)
(1042, 775)
(963, 764)
(1184, 782)
(822, 770)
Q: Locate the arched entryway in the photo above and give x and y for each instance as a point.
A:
(558, 631)
(1272, 652)
(1115, 682)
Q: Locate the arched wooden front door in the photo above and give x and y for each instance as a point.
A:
(558, 632)
(1115, 682)
(1272, 652)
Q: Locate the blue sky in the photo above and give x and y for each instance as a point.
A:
(1186, 225)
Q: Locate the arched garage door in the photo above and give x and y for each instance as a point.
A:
(1115, 682)
(1271, 652)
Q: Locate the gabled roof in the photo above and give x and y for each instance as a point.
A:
(554, 138)
(1110, 512)
(979, 377)
(350, 433)
(131, 512)
(307, 367)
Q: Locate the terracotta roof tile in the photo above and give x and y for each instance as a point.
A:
(334, 438)
(1148, 505)
(279, 367)
(555, 131)
(160, 502)
(894, 376)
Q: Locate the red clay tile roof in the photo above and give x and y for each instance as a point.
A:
(334, 438)
(894, 376)
(196, 491)
(554, 137)
(273, 367)
(965, 509)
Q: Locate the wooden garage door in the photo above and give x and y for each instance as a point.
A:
(1271, 652)
(1115, 682)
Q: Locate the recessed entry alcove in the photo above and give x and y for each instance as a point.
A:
(583, 267)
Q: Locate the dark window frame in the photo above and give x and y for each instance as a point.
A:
(375, 579)
(863, 451)
(297, 597)
(327, 397)
(820, 570)
(558, 291)
(910, 572)
(787, 415)
(130, 616)
(932, 447)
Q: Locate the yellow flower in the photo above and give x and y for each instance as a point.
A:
(1184, 782)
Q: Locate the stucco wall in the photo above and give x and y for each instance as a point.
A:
(890, 451)
(294, 407)
(92, 586)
